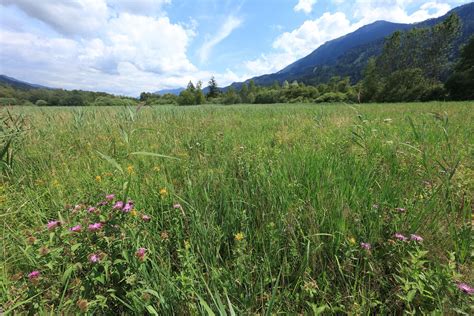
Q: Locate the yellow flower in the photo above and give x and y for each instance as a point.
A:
(352, 240)
(163, 192)
(107, 174)
(55, 183)
(130, 169)
(134, 212)
(157, 168)
(239, 236)
(98, 178)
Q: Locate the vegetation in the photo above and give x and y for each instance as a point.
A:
(461, 83)
(281, 209)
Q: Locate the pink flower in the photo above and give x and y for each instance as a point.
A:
(146, 218)
(94, 258)
(465, 288)
(415, 237)
(128, 207)
(91, 209)
(400, 209)
(118, 205)
(110, 197)
(400, 237)
(177, 205)
(53, 224)
(34, 275)
(366, 245)
(102, 203)
(141, 252)
(76, 228)
(95, 227)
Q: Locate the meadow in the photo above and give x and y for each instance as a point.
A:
(238, 210)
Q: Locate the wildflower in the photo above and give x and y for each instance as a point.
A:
(118, 205)
(130, 169)
(146, 218)
(177, 205)
(239, 236)
(366, 245)
(164, 235)
(78, 207)
(163, 192)
(352, 240)
(34, 275)
(102, 203)
(82, 304)
(375, 206)
(400, 237)
(98, 178)
(31, 240)
(95, 227)
(157, 168)
(140, 254)
(43, 251)
(76, 228)
(400, 209)
(94, 258)
(415, 237)
(53, 224)
(91, 209)
(110, 197)
(465, 288)
(134, 212)
(128, 206)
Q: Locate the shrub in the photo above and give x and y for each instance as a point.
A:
(41, 103)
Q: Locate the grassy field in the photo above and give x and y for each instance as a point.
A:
(311, 209)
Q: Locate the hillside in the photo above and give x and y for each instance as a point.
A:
(348, 55)
(18, 84)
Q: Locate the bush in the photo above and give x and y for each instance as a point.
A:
(8, 101)
(332, 97)
(41, 103)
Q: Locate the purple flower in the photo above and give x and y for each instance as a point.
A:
(110, 197)
(102, 203)
(53, 224)
(146, 218)
(91, 209)
(141, 252)
(128, 207)
(177, 205)
(76, 228)
(118, 205)
(400, 209)
(465, 288)
(400, 237)
(366, 245)
(415, 237)
(95, 227)
(34, 275)
(94, 258)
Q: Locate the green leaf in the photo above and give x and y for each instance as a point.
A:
(144, 153)
(111, 161)
(151, 310)
(67, 274)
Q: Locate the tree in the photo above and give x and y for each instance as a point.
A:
(213, 88)
(370, 83)
(461, 84)
(190, 86)
(200, 99)
(286, 84)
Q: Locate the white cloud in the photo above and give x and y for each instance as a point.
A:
(71, 17)
(305, 5)
(229, 25)
(143, 7)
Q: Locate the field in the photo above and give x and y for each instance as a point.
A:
(248, 209)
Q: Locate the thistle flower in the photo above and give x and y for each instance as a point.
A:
(91, 209)
(400, 237)
(140, 254)
(110, 197)
(118, 205)
(94, 258)
(128, 206)
(76, 228)
(366, 245)
(34, 275)
(466, 288)
(146, 218)
(95, 227)
(53, 224)
(102, 203)
(415, 237)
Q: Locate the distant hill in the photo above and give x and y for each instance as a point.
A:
(18, 84)
(176, 91)
(349, 54)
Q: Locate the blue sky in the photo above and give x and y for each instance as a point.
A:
(130, 46)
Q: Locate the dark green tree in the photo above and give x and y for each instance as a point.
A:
(461, 84)
(213, 88)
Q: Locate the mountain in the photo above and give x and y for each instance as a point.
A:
(15, 83)
(349, 54)
(176, 91)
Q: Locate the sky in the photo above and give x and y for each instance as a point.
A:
(129, 46)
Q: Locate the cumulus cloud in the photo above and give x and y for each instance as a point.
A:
(73, 17)
(305, 5)
(230, 24)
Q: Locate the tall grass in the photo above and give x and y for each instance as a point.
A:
(274, 203)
